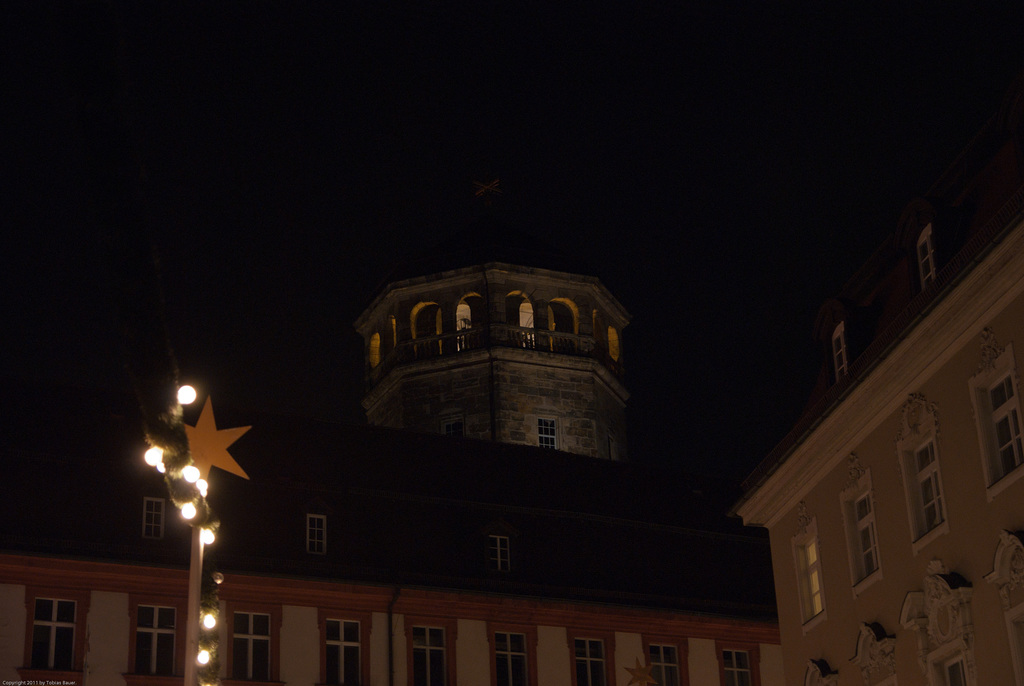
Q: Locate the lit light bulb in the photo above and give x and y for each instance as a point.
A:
(206, 536)
(186, 395)
(188, 511)
(202, 486)
(154, 456)
(203, 657)
(161, 468)
(190, 473)
(209, 621)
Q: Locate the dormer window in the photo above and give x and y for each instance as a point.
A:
(839, 357)
(926, 258)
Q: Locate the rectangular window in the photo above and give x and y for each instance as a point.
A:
(250, 657)
(154, 640)
(590, 669)
(867, 542)
(316, 534)
(808, 572)
(1006, 421)
(342, 651)
(498, 553)
(664, 664)
(929, 491)
(152, 517)
(454, 428)
(53, 634)
(737, 667)
(428, 659)
(510, 659)
(547, 433)
(954, 673)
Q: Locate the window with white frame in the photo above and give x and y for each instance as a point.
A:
(736, 665)
(453, 427)
(510, 659)
(1008, 580)
(839, 353)
(53, 634)
(664, 661)
(498, 553)
(808, 570)
(920, 460)
(152, 517)
(154, 640)
(341, 651)
(250, 657)
(316, 534)
(925, 258)
(547, 433)
(859, 516)
(954, 672)
(995, 393)
(590, 667)
(428, 656)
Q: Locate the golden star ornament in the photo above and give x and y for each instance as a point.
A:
(209, 445)
(640, 675)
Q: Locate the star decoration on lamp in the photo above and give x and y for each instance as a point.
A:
(640, 675)
(209, 445)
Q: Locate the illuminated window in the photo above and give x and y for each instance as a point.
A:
(664, 661)
(498, 553)
(316, 534)
(152, 517)
(510, 659)
(547, 433)
(341, 647)
(613, 343)
(250, 658)
(925, 258)
(808, 572)
(996, 398)
(839, 354)
(154, 640)
(53, 634)
(736, 665)
(590, 669)
(374, 350)
(428, 656)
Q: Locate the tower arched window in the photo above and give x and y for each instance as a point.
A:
(519, 313)
(374, 350)
(563, 316)
(925, 258)
(839, 351)
(613, 343)
(425, 319)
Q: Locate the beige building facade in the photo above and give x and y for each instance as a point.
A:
(896, 505)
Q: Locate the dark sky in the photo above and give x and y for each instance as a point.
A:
(722, 167)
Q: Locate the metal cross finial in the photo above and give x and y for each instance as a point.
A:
(487, 190)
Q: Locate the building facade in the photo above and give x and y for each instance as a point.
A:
(896, 504)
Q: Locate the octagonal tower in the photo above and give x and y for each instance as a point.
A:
(474, 342)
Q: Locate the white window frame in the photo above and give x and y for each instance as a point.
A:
(505, 659)
(857, 525)
(154, 632)
(595, 665)
(339, 645)
(840, 358)
(998, 367)
(733, 672)
(547, 432)
(925, 258)
(54, 624)
(918, 434)
(1005, 576)
(661, 662)
(316, 534)
(153, 519)
(431, 652)
(809, 578)
(448, 427)
(250, 638)
(499, 553)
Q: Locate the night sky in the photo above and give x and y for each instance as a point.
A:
(723, 167)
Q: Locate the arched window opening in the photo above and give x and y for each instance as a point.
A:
(425, 319)
(925, 258)
(463, 317)
(374, 350)
(563, 316)
(613, 343)
(394, 331)
(519, 313)
(839, 355)
(469, 314)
